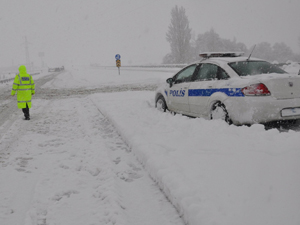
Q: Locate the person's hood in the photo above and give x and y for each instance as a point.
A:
(22, 69)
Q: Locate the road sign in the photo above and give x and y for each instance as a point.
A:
(118, 63)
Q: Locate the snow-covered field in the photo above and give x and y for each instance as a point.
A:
(86, 77)
(4, 76)
(70, 165)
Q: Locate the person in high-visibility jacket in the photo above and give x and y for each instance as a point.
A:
(25, 88)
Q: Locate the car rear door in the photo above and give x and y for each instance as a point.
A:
(202, 87)
(178, 92)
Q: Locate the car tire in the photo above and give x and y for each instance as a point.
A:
(161, 104)
(219, 111)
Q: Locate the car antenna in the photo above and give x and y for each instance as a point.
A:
(251, 52)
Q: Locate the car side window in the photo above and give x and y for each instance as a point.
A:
(209, 71)
(185, 75)
(222, 75)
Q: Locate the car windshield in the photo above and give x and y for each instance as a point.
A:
(245, 68)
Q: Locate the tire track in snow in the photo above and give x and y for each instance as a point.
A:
(47, 93)
(18, 177)
(79, 188)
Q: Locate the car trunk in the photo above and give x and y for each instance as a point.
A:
(284, 88)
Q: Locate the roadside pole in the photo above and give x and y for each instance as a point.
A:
(118, 62)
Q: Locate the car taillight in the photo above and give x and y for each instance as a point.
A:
(256, 89)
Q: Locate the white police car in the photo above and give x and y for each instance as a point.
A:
(237, 89)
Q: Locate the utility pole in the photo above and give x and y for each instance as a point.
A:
(28, 63)
(41, 55)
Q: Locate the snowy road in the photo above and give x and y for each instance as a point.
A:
(68, 165)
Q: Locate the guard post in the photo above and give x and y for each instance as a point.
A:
(118, 62)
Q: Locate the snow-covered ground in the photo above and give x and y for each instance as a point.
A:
(86, 159)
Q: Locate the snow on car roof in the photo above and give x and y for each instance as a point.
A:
(230, 59)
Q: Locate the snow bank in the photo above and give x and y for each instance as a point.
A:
(292, 67)
(213, 173)
(89, 77)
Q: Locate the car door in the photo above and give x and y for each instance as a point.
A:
(203, 86)
(178, 92)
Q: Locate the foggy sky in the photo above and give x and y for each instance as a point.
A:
(94, 31)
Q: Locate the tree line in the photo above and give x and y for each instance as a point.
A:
(186, 50)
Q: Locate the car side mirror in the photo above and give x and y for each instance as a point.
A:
(299, 72)
(170, 81)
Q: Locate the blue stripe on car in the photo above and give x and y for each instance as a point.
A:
(232, 92)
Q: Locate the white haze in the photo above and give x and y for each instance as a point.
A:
(93, 31)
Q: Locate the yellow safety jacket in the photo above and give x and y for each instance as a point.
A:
(24, 86)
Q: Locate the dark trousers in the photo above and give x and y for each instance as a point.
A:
(26, 111)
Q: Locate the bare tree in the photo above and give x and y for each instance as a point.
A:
(210, 41)
(282, 52)
(264, 50)
(179, 36)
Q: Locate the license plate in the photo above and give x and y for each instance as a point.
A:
(290, 112)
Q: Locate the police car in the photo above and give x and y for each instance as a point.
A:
(236, 89)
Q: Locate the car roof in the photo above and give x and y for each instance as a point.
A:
(228, 59)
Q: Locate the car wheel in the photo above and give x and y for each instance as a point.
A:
(219, 111)
(161, 104)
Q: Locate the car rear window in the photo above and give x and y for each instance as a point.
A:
(245, 68)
